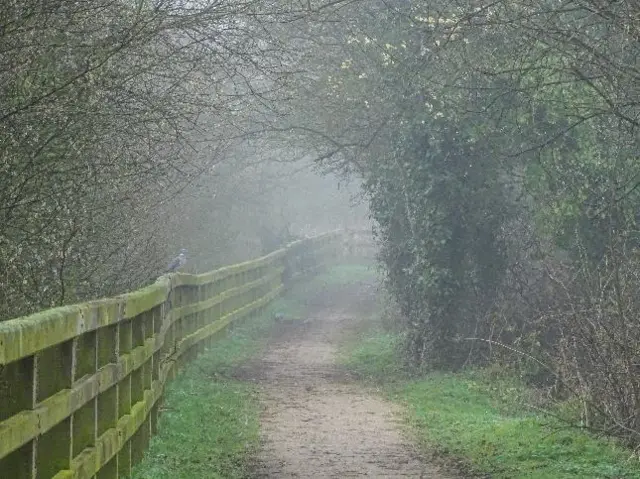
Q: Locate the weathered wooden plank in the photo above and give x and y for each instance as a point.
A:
(132, 333)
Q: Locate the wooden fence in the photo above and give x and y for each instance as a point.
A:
(80, 386)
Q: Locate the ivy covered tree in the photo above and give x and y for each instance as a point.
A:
(498, 147)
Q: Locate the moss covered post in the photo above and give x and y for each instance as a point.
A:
(81, 385)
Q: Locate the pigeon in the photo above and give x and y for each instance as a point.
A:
(178, 262)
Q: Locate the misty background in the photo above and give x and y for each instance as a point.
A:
(493, 149)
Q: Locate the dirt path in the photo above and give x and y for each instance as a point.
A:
(316, 421)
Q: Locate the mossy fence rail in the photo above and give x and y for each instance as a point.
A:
(80, 386)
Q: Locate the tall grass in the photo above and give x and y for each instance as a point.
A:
(482, 420)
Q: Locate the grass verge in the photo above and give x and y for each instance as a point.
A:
(209, 425)
(482, 422)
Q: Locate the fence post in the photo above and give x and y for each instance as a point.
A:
(81, 386)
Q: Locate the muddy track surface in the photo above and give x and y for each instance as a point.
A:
(316, 420)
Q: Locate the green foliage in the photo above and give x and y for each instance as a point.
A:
(498, 148)
(464, 416)
(115, 118)
(375, 358)
(439, 214)
(483, 419)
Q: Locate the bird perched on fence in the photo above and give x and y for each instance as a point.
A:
(178, 262)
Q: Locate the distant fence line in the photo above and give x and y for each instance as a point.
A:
(359, 244)
(80, 386)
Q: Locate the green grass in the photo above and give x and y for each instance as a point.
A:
(483, 422)
(209, 426)
(374, 358)
(209, 430)
(464, 416)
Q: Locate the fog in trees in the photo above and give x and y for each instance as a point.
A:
(492, 147)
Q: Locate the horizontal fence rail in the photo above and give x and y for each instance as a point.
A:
(80, 386)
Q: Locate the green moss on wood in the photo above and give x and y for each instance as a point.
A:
(85, 465)
(85, 355)
(65, 474)
(145, 299)
(238, 291)
(17, 431)
(25, 336)
(107, 446)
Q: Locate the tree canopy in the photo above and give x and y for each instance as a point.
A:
(495, 143)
